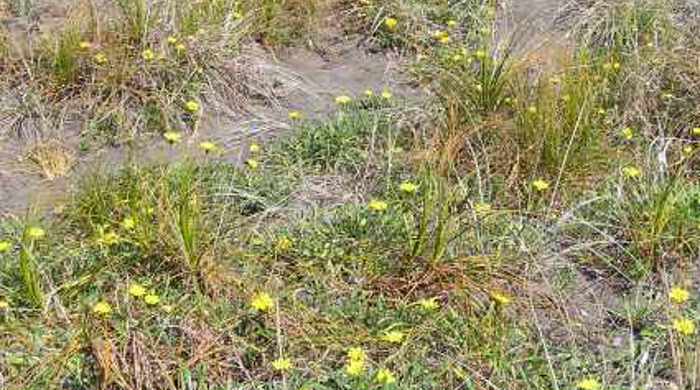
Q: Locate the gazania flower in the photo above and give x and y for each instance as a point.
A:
(172, 137)
(207, 146)
(148, 55)
(282, 364)
(378, 205)
(429, 303)
(408, 188)
(394, 336)
(391, 23)
(500, 298)
(35, 232)
(627, 133)
(588, 384)
(151, 299)
(252, 164)
(343, 100)
(679, 295)
(262, 302)
(684, 326)
(137, 290)
(128, 223)
(100, 58)
(540, 185)
(102, 308)
(385, 377)
(192, 106)
(631, 172)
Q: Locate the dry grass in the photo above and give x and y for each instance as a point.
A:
(53, 158)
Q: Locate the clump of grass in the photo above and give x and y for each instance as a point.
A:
(29, 267)
(338, 144)
(54, 159)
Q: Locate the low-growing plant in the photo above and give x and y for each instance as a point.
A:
(29, 267)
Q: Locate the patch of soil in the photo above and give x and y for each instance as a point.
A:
(301, 79)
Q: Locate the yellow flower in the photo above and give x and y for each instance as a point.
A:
(588, 384)
(439, 34)
(369, 93)
(343, 100)
(480, 54)
(696, 131)
(688, 150)
(172, 137)
(284, 244)
(128, 223)
(109, 239)
(295, 115)
(151, 299)
(207, 146)
(532, 110)
(679, 295)
(356, 361)
(100, 58)
(262, 302)
(172, 40)
(617, 66)
(180, 48)
(102, 308)
(378, 205)
(631, 172)
(148, 55)
(429, 303)
(482, 208)
(386, 94)
(84, 45)
(137, 290)
(445, 39)
(192, 106)
(394, 336)
(540, 185)
(408, 187)
(355, 367)
(4, 246)
(627, 133)
(684, 326)
(385, 377)
(4, 305)
(391, 23)
(252, 164)
(499, 298)
(254, 148)
(282, 364)
(35, 232)
(356, 354)
(451, 23)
